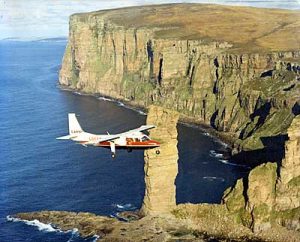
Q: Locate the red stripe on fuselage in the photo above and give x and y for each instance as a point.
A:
(133, 144)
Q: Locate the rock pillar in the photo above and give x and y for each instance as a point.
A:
(161, 169)
(288, 186)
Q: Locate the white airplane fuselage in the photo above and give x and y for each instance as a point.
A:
(130, 141)
(133, 139)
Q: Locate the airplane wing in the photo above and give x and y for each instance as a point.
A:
(116, 136)
(140, 129)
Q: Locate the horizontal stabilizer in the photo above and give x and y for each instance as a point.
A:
(67, 137)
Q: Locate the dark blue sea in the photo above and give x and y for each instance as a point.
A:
(38, 172)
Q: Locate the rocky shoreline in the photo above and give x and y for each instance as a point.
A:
(157, 228)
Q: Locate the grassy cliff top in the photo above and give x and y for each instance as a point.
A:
(247, 28)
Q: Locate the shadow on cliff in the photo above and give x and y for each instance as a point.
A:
(273, 151)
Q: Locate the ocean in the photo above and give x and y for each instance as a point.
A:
(38, 172)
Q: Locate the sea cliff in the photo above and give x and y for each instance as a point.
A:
(233, 68)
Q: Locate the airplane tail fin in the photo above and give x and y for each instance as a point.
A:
(74, 126)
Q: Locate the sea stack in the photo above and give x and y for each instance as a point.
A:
(288, 186)
(161, 165)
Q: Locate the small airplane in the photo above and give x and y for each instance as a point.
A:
(132, 139)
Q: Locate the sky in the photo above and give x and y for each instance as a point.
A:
(38, 19)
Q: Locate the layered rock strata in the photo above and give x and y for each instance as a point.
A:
(227, 73)
(288, 184)
(161, 165)
(271, 193)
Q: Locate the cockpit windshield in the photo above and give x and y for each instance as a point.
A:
(145, 138)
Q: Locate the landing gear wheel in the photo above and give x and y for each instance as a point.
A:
(113, 155)
(157, 152)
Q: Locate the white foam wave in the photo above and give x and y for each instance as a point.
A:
(105, 99)
(74, 234)
(123, 207)
(213, 153)
(77, 93)
(142, 113)
(96, 237)
(233, 164)
(213, 178)
(133, 109)
(204, 130)
(41, 226)
(221, 142)
(207, 134)
(120, 104)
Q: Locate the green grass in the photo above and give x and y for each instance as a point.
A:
(248, 29)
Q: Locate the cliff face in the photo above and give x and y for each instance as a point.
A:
(158, 54)
(267, 201)
(271, 193)
(288, 185)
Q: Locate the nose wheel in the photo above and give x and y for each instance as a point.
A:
(113, 155)
(157, 152)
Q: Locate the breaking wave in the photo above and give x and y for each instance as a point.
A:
(121, 104)
(131, 108)
(36, 223)
(207, 134)
(96, 237)
(220, 142)
(124, 207)
(47, 227)
(213, 153)
(233, 164)
(106, 99)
